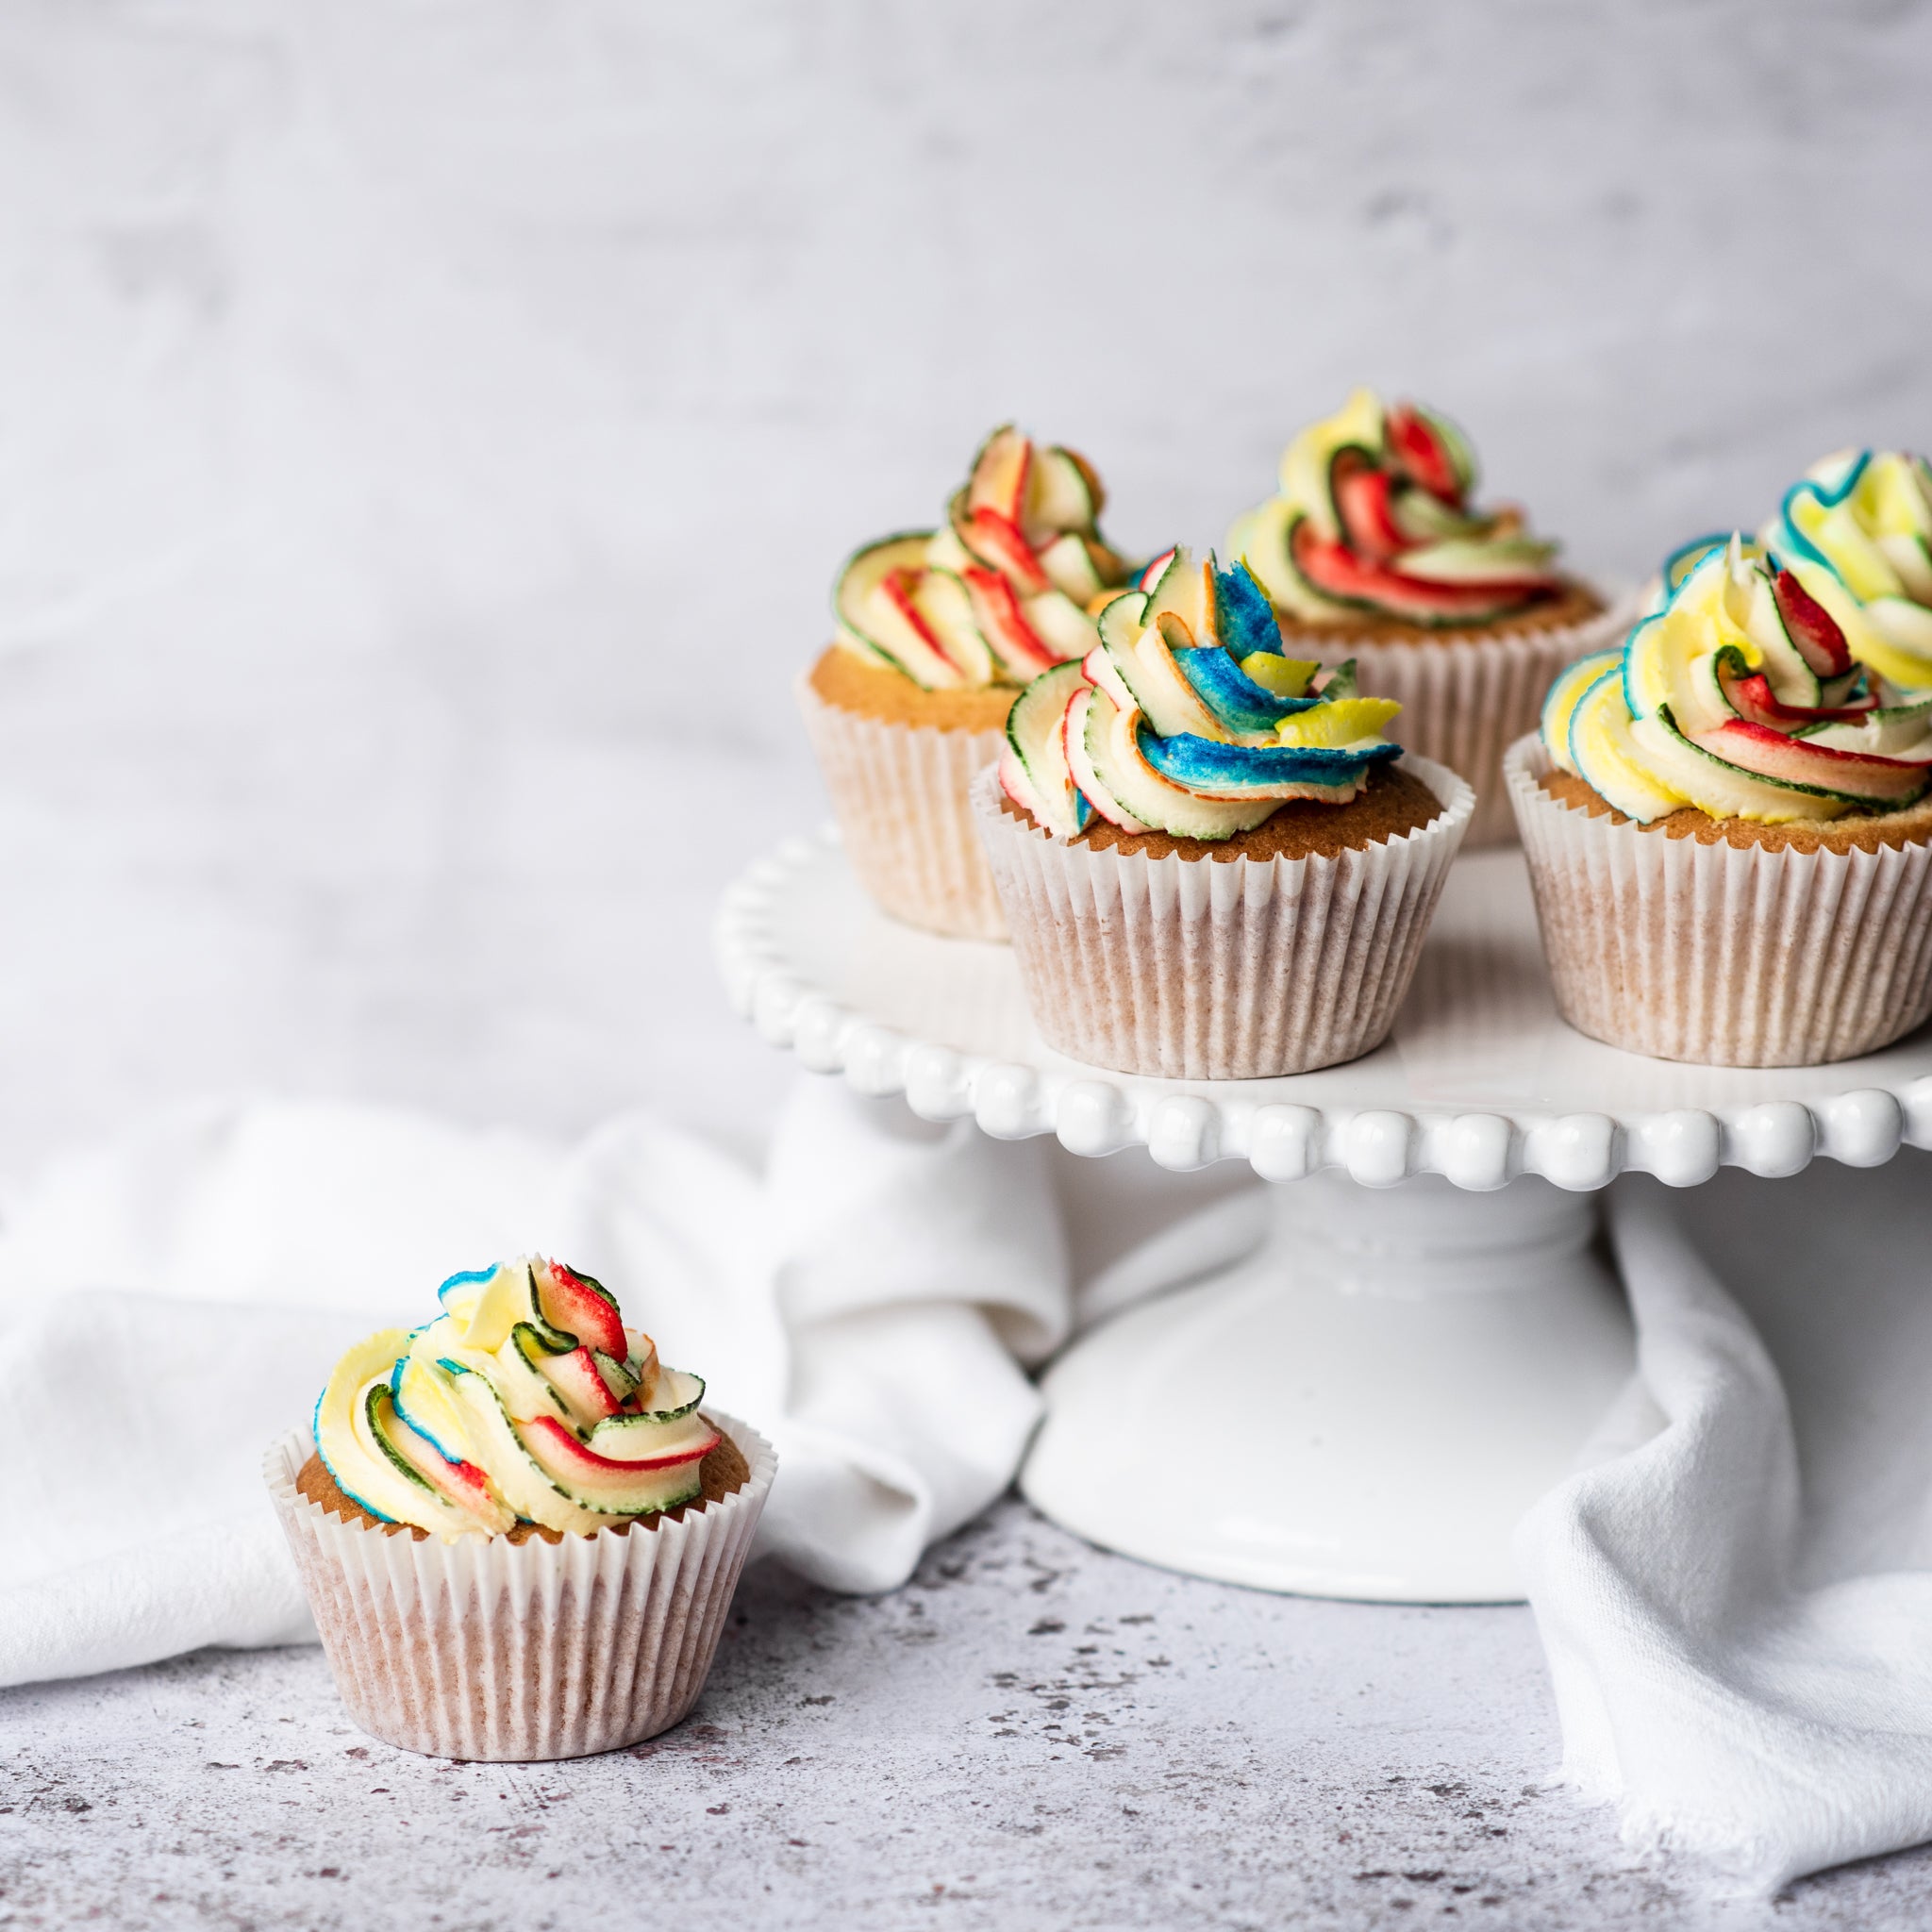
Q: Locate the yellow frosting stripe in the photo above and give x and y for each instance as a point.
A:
(1306, 462)
(1599, 745)
(1339, 723)
(1565, 694)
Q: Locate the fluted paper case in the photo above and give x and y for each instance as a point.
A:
(521, 1651)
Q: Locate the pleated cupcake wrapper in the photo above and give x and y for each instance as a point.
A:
(899, 793)
(1726, 956)
(1466, 700)
(521, 1651)
(1206, 969)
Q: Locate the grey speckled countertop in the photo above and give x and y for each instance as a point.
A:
(1030, 1734)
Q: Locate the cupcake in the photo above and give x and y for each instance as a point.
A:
(518, 1530)
(1728, 828)
(1372, 550)
(938, 632)
(1215, 864)
(1857, 530)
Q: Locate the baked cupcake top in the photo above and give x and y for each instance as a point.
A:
(1003, 591)
(1373, 521)
(525, 1400)
(1188, 717)
(1739, 696)
(1865, 517)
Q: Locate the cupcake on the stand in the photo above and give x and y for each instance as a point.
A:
(1215, 863)
(938, 631)
(1728, 828)
(1373, 549)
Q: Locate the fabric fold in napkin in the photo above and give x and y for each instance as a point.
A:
(1735, 1592)
(172, 1301)
(1736, 1596)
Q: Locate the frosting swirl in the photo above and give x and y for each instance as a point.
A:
(1188, 717)
(1738, 695)
(1003, 591)
(1865, 516)
(526, 1399)
(1372, 520)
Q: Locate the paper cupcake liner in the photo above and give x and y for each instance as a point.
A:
(899, 793)
(521, 1651)
(1466, 699)
(1726, 956)
(1208, 968)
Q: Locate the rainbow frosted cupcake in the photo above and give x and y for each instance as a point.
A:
(1372, 549)
(1213, 865)
(1728, 828)
(518, 1530)
(938, 631)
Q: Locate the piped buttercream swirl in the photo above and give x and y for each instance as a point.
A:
(525, 1400)
(1739, 694)
(1003, 591)
(1372, 520)
(1188, 717)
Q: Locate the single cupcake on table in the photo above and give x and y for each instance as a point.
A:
(1857, 529)
(1213, 862)
(936, 633)
(518, 1530)
(1727, 826)
(1372, 549)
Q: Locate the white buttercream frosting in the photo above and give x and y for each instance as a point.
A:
(525, 1400)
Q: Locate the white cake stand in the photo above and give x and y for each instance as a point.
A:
(1424, 1343)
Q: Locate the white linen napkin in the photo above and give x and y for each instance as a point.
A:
(172, 1301)
(1735, 1594)
(1736, 1597)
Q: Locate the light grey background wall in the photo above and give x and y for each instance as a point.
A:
(430, 430)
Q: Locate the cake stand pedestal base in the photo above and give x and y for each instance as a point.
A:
(1362, 1408)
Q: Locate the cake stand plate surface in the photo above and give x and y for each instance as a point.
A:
(1428, 1336)
(1480, 1081)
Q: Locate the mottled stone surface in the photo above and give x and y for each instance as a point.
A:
(1030, 1735)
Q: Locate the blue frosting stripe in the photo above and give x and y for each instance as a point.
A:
(1234, 697)
(464, 1278)
(1685, 556)
(1826, 499)
(1243, 616)
(1186, 760)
